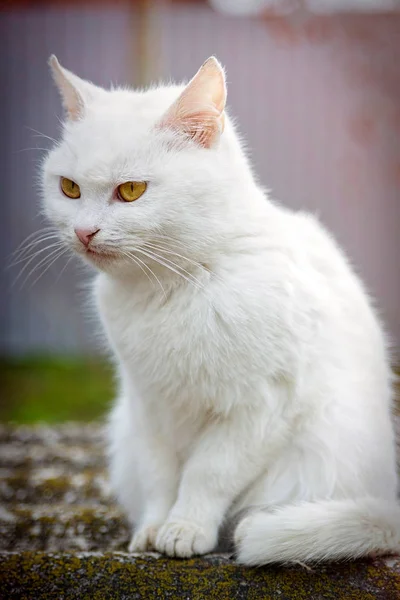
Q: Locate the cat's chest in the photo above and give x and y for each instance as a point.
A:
(155, 338)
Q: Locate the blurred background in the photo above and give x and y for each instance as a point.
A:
(315, 88)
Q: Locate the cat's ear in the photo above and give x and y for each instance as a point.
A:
(199, 110)
(75, 93)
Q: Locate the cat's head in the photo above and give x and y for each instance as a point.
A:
(138, 168)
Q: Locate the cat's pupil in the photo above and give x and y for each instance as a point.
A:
(72, 185)
(131, 187)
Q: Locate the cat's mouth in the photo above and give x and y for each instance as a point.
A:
(97, 254)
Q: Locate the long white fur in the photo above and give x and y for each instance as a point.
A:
(254, 374)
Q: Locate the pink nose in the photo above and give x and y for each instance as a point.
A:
(86, 235)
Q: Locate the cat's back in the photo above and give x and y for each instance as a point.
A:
(314, 256)
(293, 275)
(348, 329)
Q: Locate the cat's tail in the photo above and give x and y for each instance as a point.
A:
(318, 531)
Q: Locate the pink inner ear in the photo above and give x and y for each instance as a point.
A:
(202, 126)
(199, 110)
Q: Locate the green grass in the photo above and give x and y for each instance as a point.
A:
(52, 390)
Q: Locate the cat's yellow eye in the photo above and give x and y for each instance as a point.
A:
(70, 188)
(131, 190)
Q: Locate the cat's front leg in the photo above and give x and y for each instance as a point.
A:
(146, 530)
(159, 482)
(230, 455)
(143, 470)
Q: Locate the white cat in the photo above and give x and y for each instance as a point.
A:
(254, 378)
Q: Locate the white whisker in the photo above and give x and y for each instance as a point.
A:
(35, 253)
(63, 269)
(48, 266)
(137, 263)
(43, 231)
(154, 275)
(174, 243)
(43, 135)
(140, 262)
(167, 263)
(23, 252)
(168, 250)
(176, 265)
(27, 149)
(35, 266)
(39, 264)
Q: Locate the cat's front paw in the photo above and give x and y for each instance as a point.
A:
(184, 539)
(144, 538)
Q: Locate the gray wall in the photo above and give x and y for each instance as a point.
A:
(320, 115)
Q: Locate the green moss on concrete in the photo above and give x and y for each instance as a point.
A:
(33, 456)
(120, 576)
(64, 528)
(37, 487)
(39, 540)
(81, 434)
